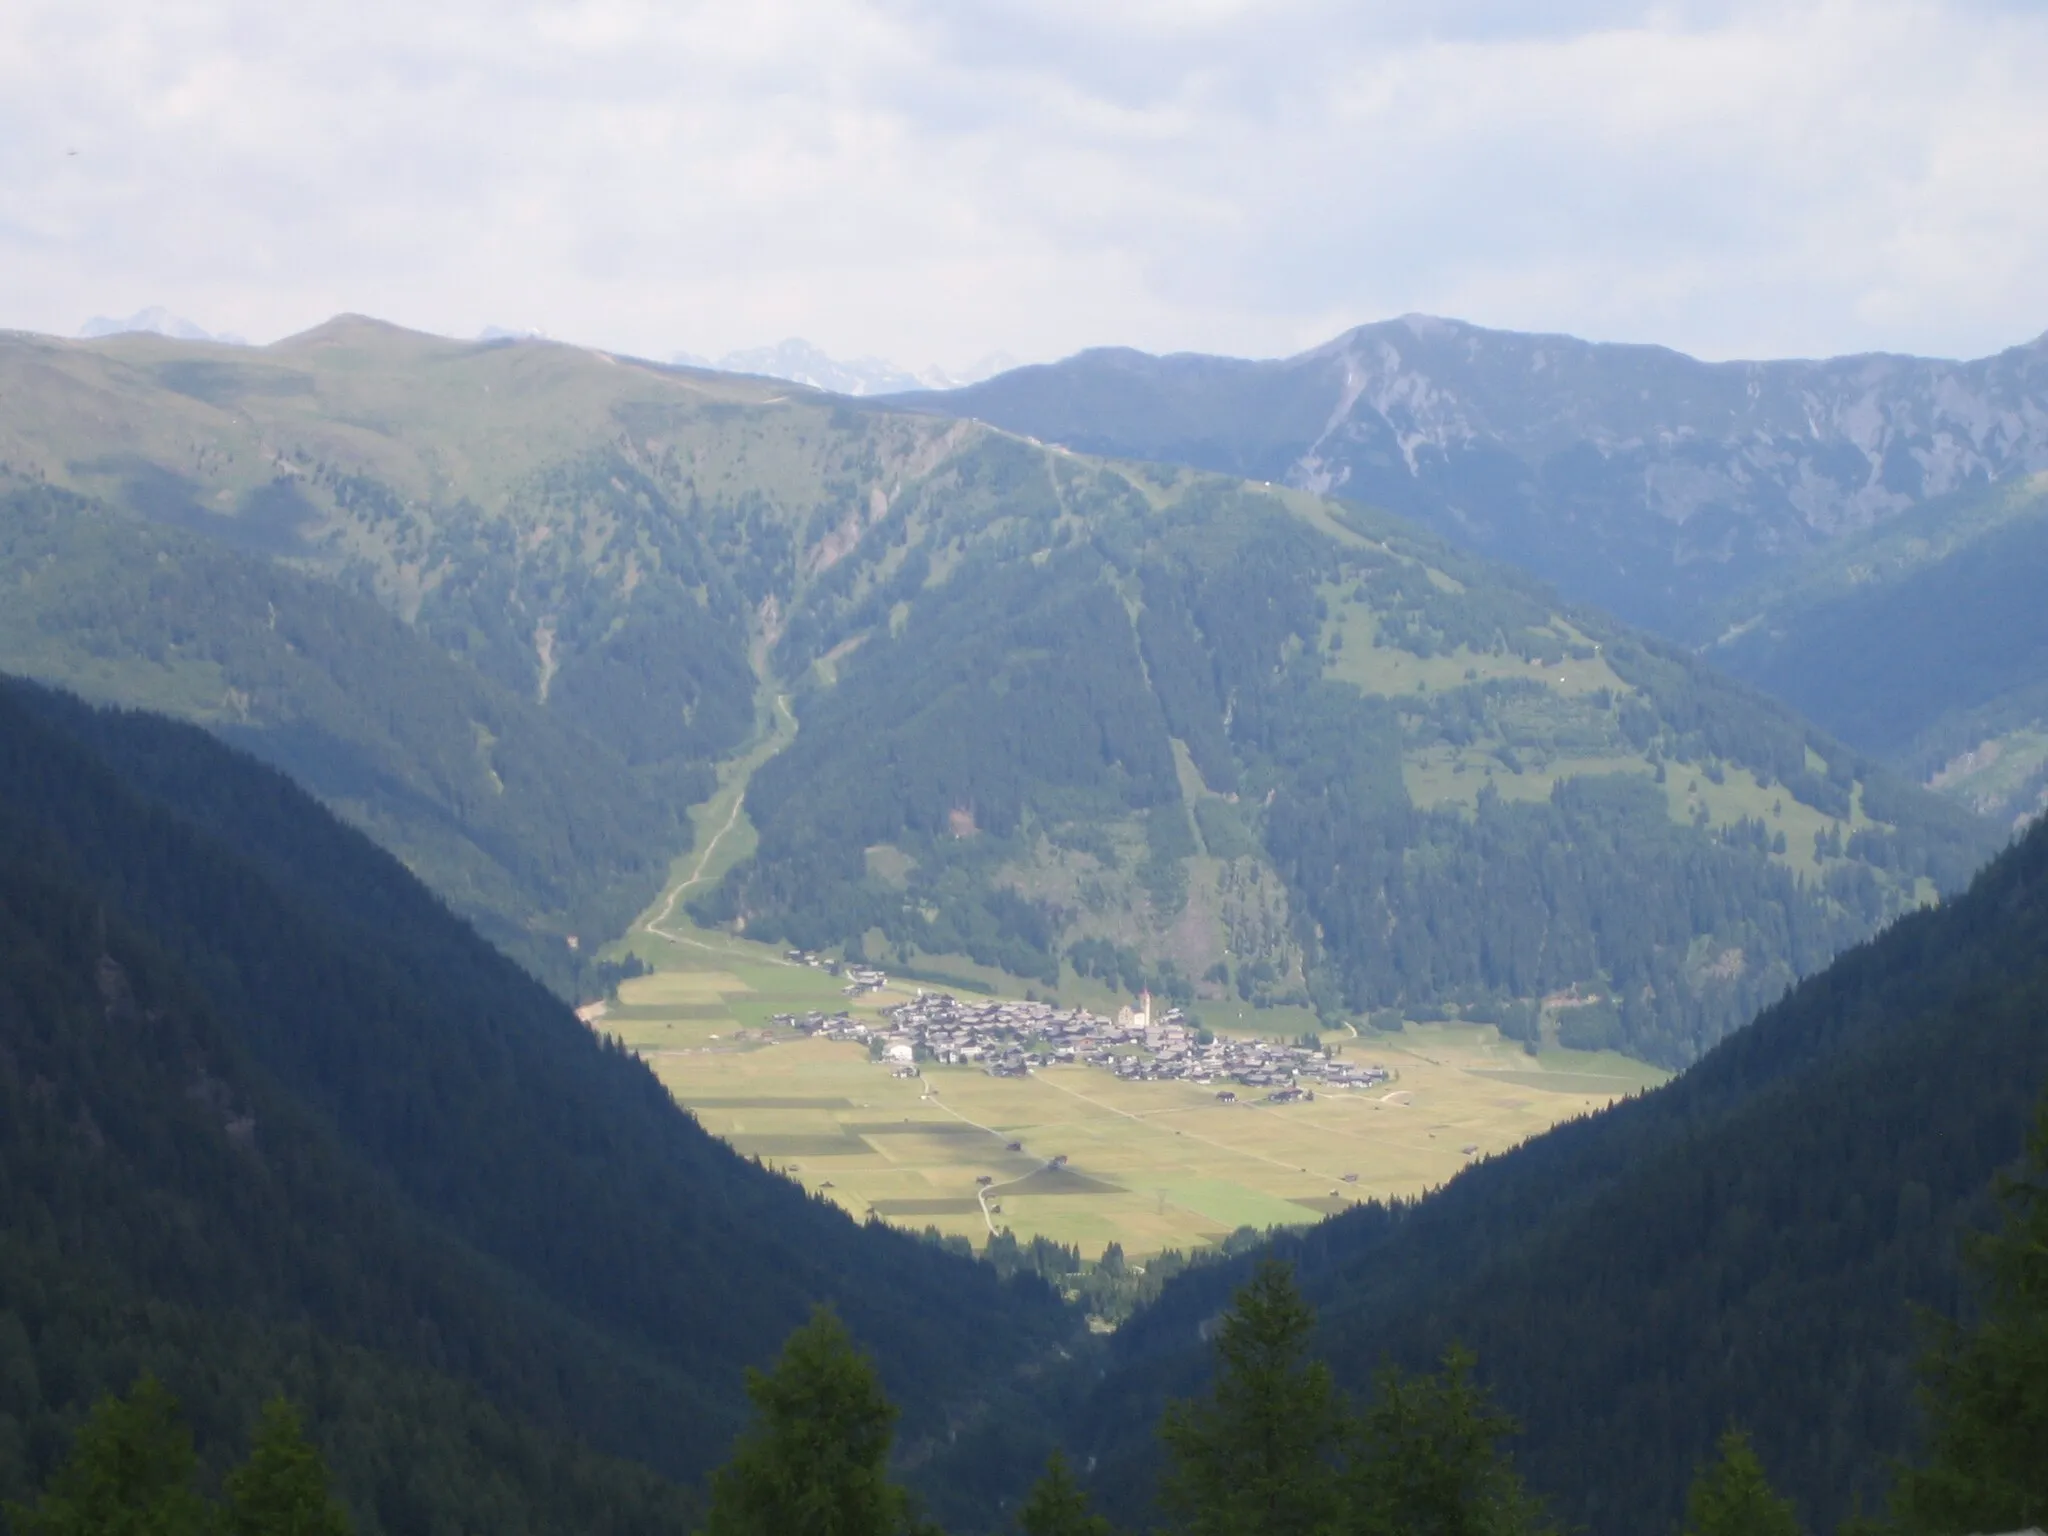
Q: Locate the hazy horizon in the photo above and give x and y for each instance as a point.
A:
(751, 359)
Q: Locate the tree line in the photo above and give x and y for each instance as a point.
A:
(272, 1119)
(1275, 1448)
(132, 1471)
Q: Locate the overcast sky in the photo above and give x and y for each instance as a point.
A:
(932, 180)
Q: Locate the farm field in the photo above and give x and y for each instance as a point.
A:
(1149, 1165)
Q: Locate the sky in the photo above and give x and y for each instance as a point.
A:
(931, 181)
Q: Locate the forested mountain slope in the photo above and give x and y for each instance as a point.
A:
(594, 546)
(568, 656)
(1924, 642)
(1634, 477)
(1246, 746)
(1745, 1244)
(530, 827)
(274, 1117)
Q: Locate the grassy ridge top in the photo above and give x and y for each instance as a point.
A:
(426, 415)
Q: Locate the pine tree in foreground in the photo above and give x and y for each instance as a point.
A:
(1986, 1390)
(1258, 1456)
(1427, 1461)
(129, 1473)
(1058, 1506)
(281, 1490)
(1732, 1497)
(814, 1462)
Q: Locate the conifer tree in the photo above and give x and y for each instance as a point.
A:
(1058, 1506)
(129, 1473)
(1257, 1457)
(814, 1462)
(1986, 1389)
(282, 1489)
(1427, 1460)
(1732, 1497)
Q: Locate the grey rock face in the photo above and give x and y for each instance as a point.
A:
(1632, 476)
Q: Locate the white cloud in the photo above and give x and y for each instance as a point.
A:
(930, 182)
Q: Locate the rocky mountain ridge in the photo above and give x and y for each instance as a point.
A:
(1635, 477)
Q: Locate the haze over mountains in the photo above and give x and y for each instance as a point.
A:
(158, 321)
(801, 362)
(1857, 535)
(1924, 640)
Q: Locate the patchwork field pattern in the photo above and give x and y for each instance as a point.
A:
(1149, 1165)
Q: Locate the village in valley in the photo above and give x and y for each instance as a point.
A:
(1076, 1120)
(1012, 1039)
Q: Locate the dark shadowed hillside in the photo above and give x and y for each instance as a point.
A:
(276, 1117)
(1747, 1243)
(528, 826)
(1924, 642)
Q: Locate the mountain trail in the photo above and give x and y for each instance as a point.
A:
(780, 733)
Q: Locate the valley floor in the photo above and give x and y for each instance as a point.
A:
(1150, 1165)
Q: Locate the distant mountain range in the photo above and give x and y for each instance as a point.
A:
(803, 363)
(157, 321)
(794, 359)
(1634, 477)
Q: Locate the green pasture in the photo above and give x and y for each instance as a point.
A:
(1233, 1016)
(1451, 775)
(1447, 774)
(1385, 669)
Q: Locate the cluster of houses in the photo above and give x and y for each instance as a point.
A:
(859, 978)
(1010, 1039)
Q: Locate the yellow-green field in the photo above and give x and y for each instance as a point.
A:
(1150, 1165)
